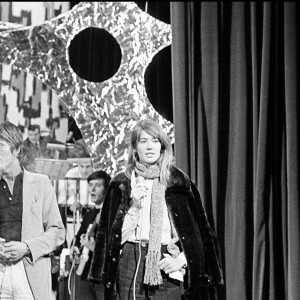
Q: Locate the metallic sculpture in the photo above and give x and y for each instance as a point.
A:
(105, 112)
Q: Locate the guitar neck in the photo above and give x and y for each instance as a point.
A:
(85, 251)
(91, 229)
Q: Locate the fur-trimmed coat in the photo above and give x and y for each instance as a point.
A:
(196, 237)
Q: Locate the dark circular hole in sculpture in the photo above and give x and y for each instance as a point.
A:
(158, 83)
(94, 54)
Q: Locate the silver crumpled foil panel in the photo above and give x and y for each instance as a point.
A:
(105, 112)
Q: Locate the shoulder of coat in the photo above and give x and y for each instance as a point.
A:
(120, 178)
(178, 178)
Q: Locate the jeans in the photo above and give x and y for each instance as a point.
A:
(85, 290)
(169, 290)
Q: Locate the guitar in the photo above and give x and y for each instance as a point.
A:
(85, 251)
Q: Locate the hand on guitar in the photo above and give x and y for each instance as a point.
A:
(75, 254)
(88, 242)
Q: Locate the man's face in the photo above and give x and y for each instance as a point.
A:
(96, 189)
(78, 150)
(85, 169)
(34, 136)
(7, 157)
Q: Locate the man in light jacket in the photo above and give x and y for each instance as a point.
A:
(30, 223)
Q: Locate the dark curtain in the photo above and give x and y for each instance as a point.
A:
(235, 69)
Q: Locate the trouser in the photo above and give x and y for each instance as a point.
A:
(169, 290)
(85, 290)
(13, 282)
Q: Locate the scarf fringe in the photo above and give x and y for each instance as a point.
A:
(154, 277)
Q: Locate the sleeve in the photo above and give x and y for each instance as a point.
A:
(212, 251)
(82, 229)
(54, 231)
(99, 254)
(182, 257)
(130, 223)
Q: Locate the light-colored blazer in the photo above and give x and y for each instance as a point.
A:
(42, 230)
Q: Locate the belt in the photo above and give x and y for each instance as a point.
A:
(144, 243)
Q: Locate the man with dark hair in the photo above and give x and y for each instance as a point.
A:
(34, 146)
(30, 224)
(84, 242)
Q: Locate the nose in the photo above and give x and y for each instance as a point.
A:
(149, 144)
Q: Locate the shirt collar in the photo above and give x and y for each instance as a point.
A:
(12, 178)
(99, 206)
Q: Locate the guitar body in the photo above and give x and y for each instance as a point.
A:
(85, 251)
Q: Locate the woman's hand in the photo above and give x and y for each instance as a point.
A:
(138, 192)
(170, 264)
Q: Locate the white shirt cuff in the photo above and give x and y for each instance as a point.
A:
(182, 257)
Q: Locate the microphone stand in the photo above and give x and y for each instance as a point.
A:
(76, 220)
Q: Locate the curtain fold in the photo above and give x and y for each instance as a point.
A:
(291, 83)
(236, 117)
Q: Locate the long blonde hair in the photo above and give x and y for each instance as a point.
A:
(154, 129)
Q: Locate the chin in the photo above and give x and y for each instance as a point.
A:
(151, 162)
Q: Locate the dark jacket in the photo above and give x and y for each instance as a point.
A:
(87, 220)
(185, 207)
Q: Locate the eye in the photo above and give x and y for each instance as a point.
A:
(156, 140)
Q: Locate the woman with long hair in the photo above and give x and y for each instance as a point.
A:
(154, 240)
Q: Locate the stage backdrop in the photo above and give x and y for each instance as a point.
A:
(24, 99)
(105, 109)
